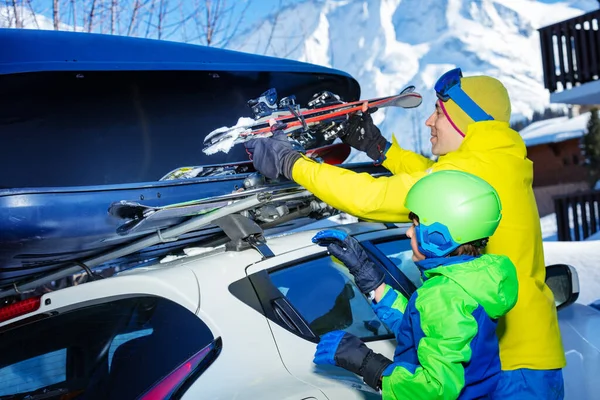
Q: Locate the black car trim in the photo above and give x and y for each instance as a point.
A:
(405, 285)
(267, 295)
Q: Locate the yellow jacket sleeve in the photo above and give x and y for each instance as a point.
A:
(358, 194)
(399, 160)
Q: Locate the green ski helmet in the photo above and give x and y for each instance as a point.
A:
(454, 208)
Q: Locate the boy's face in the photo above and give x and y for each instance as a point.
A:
(417, 255)
(444, 138)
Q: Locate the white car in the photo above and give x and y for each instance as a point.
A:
(195, 304)
(237, 320)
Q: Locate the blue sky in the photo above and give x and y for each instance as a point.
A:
(177, 10)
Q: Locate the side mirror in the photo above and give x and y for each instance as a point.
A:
(563, 280)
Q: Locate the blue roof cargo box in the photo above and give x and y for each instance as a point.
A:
(89, 119)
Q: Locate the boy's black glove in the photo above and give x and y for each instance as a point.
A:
(349, 352)
(367, 275)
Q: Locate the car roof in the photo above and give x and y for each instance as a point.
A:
(279, 244)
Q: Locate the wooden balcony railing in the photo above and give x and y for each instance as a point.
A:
(571, 51)
(577, 215)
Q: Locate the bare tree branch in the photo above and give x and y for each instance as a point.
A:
(9, 18)
(136, 8)
(74, 8)
(91, 16)
(150, 15)
(209, 27)
(18, 22)
(113, 16)
(273, 26)
(161, 17)
(33, 14)
(216, 22)
(211, 22)
(55, 15)
(183, 22)
(236, 24)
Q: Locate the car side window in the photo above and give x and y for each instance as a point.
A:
(400, 253)
(324, 293)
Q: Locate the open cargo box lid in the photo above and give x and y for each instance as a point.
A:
(89, 119)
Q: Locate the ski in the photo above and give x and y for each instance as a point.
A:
(325, 115)
(140, 217)
(285, 196)
(171, 233)
(334, 154)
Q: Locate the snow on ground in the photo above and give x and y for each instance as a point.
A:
(549, 227)
(585, 257)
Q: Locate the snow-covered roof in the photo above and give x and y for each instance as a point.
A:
(555, 130)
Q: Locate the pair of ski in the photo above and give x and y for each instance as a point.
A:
(140, 217)
(223, 139)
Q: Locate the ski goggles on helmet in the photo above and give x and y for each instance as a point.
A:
(435, 240)
(448, 87)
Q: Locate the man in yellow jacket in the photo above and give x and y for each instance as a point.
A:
(469, 132)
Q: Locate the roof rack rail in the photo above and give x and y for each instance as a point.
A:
(244, 233)
(167, 235)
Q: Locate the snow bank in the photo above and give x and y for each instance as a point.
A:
(585, 257)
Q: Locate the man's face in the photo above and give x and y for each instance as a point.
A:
(444, 138)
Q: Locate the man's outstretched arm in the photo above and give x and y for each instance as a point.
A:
(358, 194)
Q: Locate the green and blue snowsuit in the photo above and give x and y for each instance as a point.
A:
(446, 331)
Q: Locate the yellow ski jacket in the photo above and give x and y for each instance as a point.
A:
(529, 334)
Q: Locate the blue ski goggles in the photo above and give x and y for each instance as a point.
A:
(448, 87)
(435, 240)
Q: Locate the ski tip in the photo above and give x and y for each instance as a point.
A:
(409, 99)
(408, 89)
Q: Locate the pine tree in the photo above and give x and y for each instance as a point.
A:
(591, 147)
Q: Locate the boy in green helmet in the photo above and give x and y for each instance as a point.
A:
(446, 332)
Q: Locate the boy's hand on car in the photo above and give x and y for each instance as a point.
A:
(345, 248)
(349, 352)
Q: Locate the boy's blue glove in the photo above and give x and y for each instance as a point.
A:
(367, 275)
(275, 155)
(349, 352)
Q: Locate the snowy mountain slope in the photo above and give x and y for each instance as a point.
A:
(388, 44)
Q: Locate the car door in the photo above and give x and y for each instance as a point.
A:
(306, 293)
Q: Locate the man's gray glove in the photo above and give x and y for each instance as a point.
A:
(275, 155)
(363, 135)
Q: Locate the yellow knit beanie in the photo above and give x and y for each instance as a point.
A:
(489, 93)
